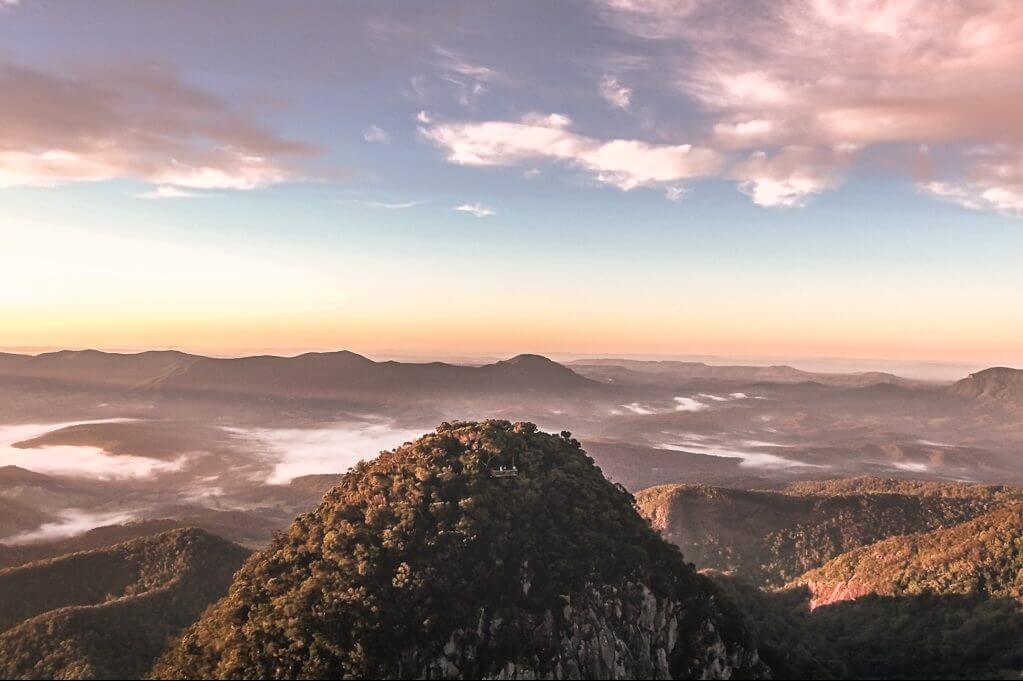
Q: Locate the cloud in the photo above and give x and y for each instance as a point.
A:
(423, 117)
(676, 193)
(825, 74)
(138, 122)
(614, 93)
(787, 178)
(470, 80)
(167, 192)
(385, 205)
(478, 209)
(625, 164)
(376, 134)
(992, 181)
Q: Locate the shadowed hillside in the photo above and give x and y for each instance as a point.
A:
(925, 636)
(108, 613)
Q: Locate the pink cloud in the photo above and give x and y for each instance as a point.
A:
(140, 123)
(994, 182)
(845, 74)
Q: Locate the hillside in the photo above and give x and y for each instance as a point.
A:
(982, 557)
(783, 534)
(999, 384)
(98, 538)
(423, 564)
(109, 613)
(926, 636)
(16, 518)
(37, 491)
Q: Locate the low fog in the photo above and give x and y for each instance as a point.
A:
(243, 452)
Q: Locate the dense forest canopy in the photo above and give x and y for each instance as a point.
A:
(424, 554)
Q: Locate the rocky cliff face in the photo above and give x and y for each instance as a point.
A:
(610, 633)
(424, 564)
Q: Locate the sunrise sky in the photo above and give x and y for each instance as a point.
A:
(645, 177)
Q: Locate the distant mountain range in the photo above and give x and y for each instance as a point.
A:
(627, 371)
(311, 375)
(346, 374)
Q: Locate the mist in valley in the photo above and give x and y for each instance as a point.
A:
(244, 459)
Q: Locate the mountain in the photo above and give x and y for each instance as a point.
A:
(999, 384)
(347, 374)
(425, 564)
(924, 636)
(311, 375)
(982, 557)
(33, 490)
(98, 538)
(16, 517)
(93, 366)
(109, 613)
(666, 372)
(783, 534)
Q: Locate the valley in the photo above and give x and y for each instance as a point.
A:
(807, 501)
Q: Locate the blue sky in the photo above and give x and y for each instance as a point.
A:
(640, 177)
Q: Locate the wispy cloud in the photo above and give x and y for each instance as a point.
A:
(995, 185)
(469, 79)
(140, 123)
(388, 205)
(614, 93)
(376, 134)
(625, 164)
(478, 209)
(168, 192)
(676, 193)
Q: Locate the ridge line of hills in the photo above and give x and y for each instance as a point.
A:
(322, 373)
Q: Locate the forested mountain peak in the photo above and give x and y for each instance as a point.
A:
(429, 562)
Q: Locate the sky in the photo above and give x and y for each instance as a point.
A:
(794, 178)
